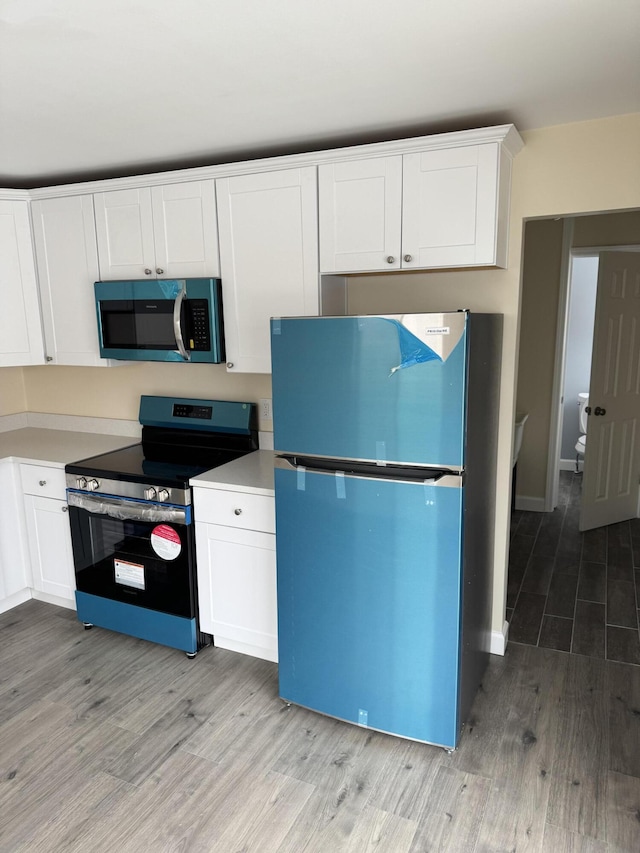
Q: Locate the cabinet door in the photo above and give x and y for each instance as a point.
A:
(237, 589)
(67, 259)
(360, 206)
(15, 579)
(450, 206)
(185, 230)
(20, 327)
(124, 225)
(49, 537)
(268, 258)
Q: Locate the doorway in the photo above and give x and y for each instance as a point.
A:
(598, 345)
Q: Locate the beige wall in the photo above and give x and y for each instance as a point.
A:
(12, 392)
(577, 168)
(538, 322)
(114, 392)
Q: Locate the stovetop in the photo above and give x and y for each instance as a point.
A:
(181, 438)
(130, 464)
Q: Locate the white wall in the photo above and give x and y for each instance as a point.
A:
(581, 314)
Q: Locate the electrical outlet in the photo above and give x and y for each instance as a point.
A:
(265, 410)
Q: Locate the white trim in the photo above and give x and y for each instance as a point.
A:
(80, 423)
(570, 464)
(594, 251)
(10, 422)
(498, 641)
(14, 600)
(54, 599)
(529, 504)
(505, 135)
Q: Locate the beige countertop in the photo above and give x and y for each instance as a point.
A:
(252, 474)
(57, 447)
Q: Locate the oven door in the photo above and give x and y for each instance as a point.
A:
(136, 552)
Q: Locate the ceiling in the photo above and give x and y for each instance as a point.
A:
(99, 88)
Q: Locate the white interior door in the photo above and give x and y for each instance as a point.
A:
(612, 458)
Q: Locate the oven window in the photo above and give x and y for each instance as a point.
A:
(137, 562)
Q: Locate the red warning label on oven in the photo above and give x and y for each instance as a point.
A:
(165, 541)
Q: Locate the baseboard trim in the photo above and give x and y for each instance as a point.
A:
(530, 504)
(14, 600)
(53, 599)
(570, 464)
(499, 640)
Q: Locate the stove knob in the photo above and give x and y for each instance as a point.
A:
(150, 494)
(81, 482)
(163, 495)
(93, 484)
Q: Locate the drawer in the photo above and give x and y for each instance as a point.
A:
(235, 509)
(42, 480)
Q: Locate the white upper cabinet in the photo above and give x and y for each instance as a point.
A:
(268, 257)
(160, 232)
(443, 207)
(67, 261)
(360, 204)
(20, 328)
(449, 207)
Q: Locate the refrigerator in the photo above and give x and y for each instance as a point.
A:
(385, 434)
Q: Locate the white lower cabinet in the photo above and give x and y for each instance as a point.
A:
(15, 578)
(236, 554)
(48, 534)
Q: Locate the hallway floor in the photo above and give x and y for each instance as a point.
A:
(571, 591)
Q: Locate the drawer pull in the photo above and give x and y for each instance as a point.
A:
(65, 508)
(42, 482)
(237, 511)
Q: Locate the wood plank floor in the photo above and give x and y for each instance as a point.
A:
(571, 591)
(108, 743)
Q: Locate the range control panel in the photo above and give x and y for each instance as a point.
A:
(186, 410)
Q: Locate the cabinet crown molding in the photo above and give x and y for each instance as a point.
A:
(505, 135)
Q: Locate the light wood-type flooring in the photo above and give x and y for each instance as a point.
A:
(108, 743)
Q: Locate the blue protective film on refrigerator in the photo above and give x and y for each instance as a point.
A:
(412, 349)
(370, 388)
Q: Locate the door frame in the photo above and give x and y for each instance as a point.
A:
(557, 398)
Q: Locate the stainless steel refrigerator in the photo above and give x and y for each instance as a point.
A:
(385, 430)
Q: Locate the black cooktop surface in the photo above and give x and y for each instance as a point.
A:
(131, 464)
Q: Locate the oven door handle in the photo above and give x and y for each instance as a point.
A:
(177, 328)
(125, 510)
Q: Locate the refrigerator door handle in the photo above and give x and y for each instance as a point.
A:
(409, 474)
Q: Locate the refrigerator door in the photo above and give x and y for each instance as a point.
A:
(369, 600)
(381, 389)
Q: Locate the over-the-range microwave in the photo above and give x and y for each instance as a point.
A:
(161, 320)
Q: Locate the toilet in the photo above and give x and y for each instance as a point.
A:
(583, 402)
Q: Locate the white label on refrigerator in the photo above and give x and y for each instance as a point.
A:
(437, 330)
(129, 574)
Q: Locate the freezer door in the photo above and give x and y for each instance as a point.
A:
(384, 389)
(369, 601)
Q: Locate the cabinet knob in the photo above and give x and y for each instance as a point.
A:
(237, 511)
(148, 271)
(42, 482)
(159, 271)
(49, 358)
(390, 259)
(408, 258)
(65, 508)
(229, 364)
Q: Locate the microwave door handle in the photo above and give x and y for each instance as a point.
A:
(177, 328)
